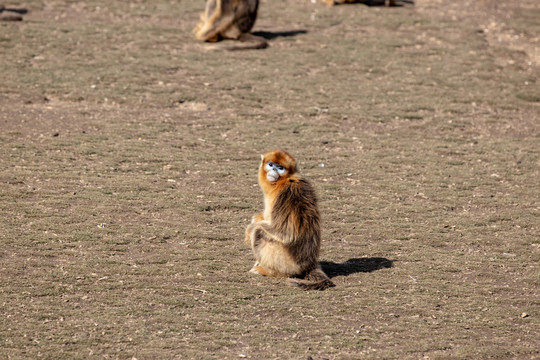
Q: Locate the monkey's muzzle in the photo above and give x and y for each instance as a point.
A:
(272, 176)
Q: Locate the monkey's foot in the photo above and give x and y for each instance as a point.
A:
(259, 270)
(254, 268)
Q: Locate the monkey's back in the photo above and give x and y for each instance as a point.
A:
(247, 14)
(295, 214)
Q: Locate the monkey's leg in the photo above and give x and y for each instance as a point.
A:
(203, 20)
(258, 240)
(221, 18)
(212, 31)
(273, 258)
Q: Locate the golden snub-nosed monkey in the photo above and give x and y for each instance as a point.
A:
(286, 237)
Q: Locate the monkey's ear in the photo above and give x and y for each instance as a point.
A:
(262, 157)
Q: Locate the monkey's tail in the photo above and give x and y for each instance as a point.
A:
(246, 41)
(316, 279)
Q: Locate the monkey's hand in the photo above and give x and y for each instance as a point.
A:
(249, 230)
(262, 225)
(254, 219)
(257, 217)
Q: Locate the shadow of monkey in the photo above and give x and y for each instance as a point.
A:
(355, 265)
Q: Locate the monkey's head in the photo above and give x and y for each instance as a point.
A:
(275, 165)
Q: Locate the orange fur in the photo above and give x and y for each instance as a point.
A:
(286, 237)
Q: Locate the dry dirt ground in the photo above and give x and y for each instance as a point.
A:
(128, 161)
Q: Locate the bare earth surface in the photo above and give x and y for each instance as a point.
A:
(128, 162)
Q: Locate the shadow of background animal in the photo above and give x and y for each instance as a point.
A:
(371, 2)
(355, 265)
(270, 35)
(12, 14)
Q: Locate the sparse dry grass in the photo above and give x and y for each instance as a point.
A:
(128, 159)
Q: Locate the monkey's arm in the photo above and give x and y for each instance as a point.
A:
(271, 233)
(251, 228)
(254, 219)
(265, 227)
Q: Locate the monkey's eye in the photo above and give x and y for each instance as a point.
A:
(280, 168)
(269, 166)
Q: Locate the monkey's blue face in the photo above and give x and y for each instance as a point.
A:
(274, 171)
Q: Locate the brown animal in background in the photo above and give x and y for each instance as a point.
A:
(230, 19)
(335, 2)
(286, 237)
